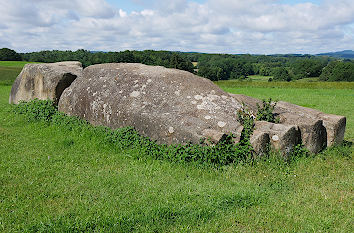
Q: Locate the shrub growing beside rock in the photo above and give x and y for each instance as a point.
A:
(225, 152)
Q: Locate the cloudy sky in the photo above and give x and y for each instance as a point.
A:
(214, 26)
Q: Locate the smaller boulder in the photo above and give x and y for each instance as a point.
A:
(44, 81)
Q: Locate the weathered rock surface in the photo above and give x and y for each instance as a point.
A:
(282, 137)
(250, 102)
(260, 141)
(317, 129)
(169, 106)
(334, 124)
(44, 81)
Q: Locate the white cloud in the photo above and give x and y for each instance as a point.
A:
(227, 26)
(122, 13)
(95, 8)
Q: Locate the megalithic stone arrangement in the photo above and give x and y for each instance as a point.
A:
(168, 105)
(317, 129)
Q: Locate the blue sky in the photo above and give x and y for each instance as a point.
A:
(127, 5)
(212, 26)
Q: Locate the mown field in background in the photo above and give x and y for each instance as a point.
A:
(18, 64)
(260, 78)
(259, 81)
(9, 71)
(7, 74)
(53, 179)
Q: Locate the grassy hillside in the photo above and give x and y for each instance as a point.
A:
(56, 179)
(346, 54)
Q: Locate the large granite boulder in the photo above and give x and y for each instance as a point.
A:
(317, 129)
(44, 81)
(167, 105)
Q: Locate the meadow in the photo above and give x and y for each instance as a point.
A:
(9, 71)
(260, 78)
(17, 64)
(306, 83)
(55, 179)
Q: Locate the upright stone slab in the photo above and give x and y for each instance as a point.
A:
(167, 105)
(334, 124)
(317, 129)
(44, 81)
(260, 141)
(282, 137)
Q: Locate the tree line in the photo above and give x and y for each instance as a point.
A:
(277, 67)
(212, 66)
(87, 58)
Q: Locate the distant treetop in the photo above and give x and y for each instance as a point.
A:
(9, 55)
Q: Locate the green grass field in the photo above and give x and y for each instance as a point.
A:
(287, 85)
(8, 74)
(260, 78)
(56, 180)
(18, 64)
(9, 71)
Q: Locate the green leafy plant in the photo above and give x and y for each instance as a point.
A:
(246, 118)
(299, 151)
(37, 110)
(225, 152)
(265, 111)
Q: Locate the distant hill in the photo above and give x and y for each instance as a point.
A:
(346, 54)
(98, 52)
